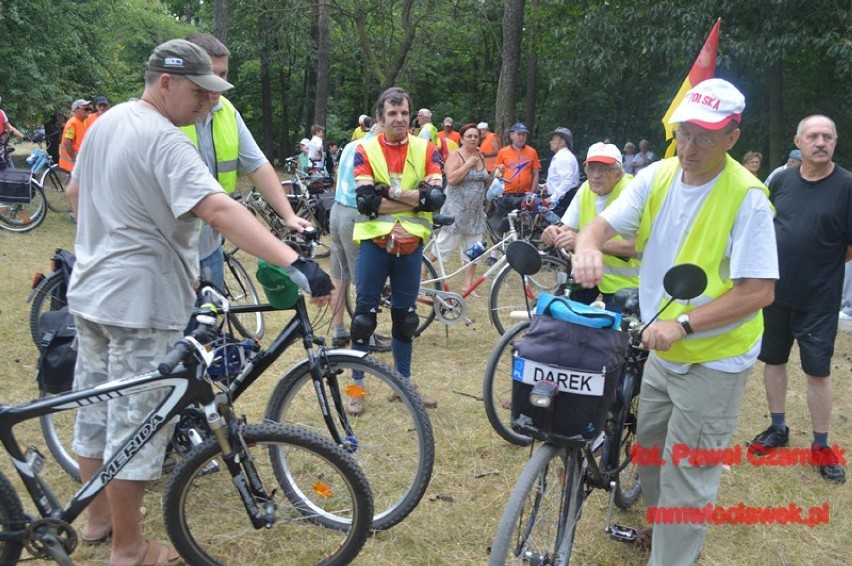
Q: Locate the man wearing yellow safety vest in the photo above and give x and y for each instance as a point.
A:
(606, 180)
(227, 147)
(701, 207)
(398, 180)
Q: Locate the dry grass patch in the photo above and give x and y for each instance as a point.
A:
(474, 469)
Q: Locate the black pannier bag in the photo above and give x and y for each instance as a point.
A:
(15, 187)
(585, 363)
(58, 357)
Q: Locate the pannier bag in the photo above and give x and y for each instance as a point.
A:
(56, 364)
(15, 186)
(583, 360)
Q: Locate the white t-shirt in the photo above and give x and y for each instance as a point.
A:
(571, 218)
(315, 149)
(563, 174)
(137, 241)
(750, 253)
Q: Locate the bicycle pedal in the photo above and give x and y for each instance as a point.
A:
(623, 534)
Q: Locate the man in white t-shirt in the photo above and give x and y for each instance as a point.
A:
(138, 189)
(700, 207)
(563, 176)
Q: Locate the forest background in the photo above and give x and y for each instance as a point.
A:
(602, 68)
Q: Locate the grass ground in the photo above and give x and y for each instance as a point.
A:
(474, 469)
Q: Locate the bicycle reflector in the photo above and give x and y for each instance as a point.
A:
(543, 393)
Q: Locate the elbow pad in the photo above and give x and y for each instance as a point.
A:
(368, 200)
(431, 199)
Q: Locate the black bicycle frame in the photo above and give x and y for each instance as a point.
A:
(260, 362)
(185, 387)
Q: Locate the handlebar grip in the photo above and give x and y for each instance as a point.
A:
(175, 356)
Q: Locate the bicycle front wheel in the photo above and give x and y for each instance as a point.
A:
(54, 191)
(627, 486)
(240, 291)
(540, 518)
(509, 296)
(23, 217)
(49, 295)
(206, 518)
(391, 439)
(497, 385)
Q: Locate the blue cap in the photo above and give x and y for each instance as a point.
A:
(796, 154)
(519, 127)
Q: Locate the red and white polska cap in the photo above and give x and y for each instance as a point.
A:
(712, 104)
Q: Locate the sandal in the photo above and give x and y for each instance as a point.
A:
(159, 554)
(644, 538)
(92, 541)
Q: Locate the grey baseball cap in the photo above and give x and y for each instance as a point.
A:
(180, 57)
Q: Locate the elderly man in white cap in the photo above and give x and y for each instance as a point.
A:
(563, 175)
(701, 207)
(606, 180)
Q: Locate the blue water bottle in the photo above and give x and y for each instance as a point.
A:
(476, 250)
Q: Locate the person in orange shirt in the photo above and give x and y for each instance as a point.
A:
(101, 105)
(72, 134)
(489, 146)
(450, 139)
(520, 167)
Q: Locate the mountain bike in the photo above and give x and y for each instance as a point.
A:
(392, 441)
(541, 515)
(48, 176)
(244, 491)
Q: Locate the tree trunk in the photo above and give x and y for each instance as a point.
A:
(321, 95)
(513, 23)
(778, 139)
(266, 107)
(220, 20)
(532, 71)
(284, 144)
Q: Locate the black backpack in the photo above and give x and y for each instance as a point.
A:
(57, 360)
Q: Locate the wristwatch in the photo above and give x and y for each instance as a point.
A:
(683, 320)
(397, 192)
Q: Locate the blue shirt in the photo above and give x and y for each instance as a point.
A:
(345, 190)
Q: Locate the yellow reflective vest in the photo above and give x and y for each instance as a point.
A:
(226, 142)
(704, 246)
(618, 274)
(416, 223)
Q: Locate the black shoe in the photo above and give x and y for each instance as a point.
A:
(828, 464)
(768, 440)
(377, 345)
(340, 341)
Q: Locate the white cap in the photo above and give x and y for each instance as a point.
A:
(305, 141)
(712, 104)
(361, 119)
(603, 153)
(482, 126)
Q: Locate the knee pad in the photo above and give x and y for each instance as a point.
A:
(363, 326)
(405, 323)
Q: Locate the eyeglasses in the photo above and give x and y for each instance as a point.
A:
(598, 169)
(700, 140)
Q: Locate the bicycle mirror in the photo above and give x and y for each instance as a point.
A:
(523, 257)
(685, 281)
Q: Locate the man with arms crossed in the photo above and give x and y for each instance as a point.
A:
(700, 207)
(398, 179)
(813, 226)
(138, 189)
(227, 148)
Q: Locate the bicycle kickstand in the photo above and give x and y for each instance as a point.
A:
(614, 530)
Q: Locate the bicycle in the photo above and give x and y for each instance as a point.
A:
(228, 488)
(48, 294)
(541, 515)
(393, 443)
(507, 298)
(48, 176)
(23, 205)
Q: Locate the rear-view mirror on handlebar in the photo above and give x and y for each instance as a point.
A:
(685, 281)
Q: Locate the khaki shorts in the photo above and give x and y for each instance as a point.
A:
(447, 242)
(343, 249)
(106, 353)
